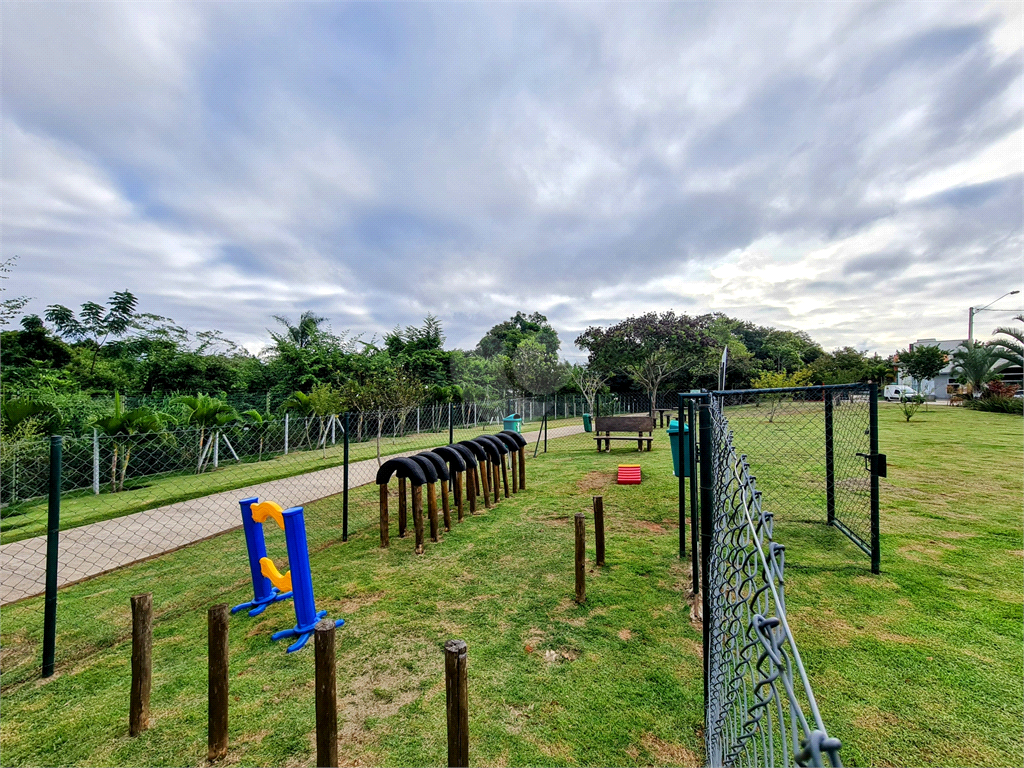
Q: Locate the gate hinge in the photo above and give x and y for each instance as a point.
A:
(875, 464)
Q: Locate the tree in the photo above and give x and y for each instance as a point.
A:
(325, 403)
(1009, 350)
(922, 362)
(651, 371)
(505, 338)
(909, 405)
(122, 425)
(95, 323)
(779, 380)
(304, 332)
(207, 413)
(974, 363)
(23, 416)
(590, 382)
(10, 307)
(538, 371)
(398, 392)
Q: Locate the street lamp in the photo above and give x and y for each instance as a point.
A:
(975, 310)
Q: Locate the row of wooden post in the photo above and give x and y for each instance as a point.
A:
(456, 686)
(581, 546)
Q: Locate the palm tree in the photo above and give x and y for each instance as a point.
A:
(22, 410)
(1010, 351)
(121, 425)
(973, 363)
(207, 413)
(255, 421)
(300, 403)
(303, 333)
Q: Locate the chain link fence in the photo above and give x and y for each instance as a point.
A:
(760, 709)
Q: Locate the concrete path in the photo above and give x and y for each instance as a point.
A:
(96, 548)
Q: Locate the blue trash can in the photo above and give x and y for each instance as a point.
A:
(673, 436)
(512, 422)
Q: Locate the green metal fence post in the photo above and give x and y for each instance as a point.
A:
(52, 542)
(707, 482)
(682, 479)
(691, 415)
(344, 502)
(830, 467)
(876, 552)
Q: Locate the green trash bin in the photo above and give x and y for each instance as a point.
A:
(586, 423)
(673, 436)
(512, 422)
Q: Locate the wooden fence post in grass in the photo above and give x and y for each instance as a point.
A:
(384, 522)
(142, 663)
(599, 528)
(403, 513)
(512, 456)
(326, 696)
(471, 488)
(446, 506)
(457, 492)
(581, 554)
(504, 475)
(457, 703)
(217, 722)
(417, 516)
(432, 511)
(522, 469)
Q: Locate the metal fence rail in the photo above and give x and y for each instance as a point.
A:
(760, 709)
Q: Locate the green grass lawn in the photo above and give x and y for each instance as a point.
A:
(921, 665)
(82, 506)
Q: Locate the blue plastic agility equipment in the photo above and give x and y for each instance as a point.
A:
(298, 582)
(306, 614)
(264, 593)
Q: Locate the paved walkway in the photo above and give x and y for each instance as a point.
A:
(90, 550)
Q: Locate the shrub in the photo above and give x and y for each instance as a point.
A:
(1000, 389)
(997, 405)
(909, 405)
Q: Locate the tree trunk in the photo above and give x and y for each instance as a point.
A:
(124, 466)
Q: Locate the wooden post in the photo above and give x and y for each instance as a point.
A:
(142, 663)
(403, 514)
(581, 554)
(457, 483)
(522, 468)
(432, 510)
(471, 488)
(217, 723)
(384, 522)
(512, 456)
(457, 703)
(445, 506)
(326, 696)
(504, 475)
(485, 472)
(496, 480)
(417, 516)
(599, 528)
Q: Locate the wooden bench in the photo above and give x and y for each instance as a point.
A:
(638, 424)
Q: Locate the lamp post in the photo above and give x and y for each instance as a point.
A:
(975, 310)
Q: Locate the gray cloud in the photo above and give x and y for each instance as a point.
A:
(375, 162)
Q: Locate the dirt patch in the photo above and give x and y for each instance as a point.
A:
(647, 525)
(593, 481)
(353, 604)
(625, 634)
(668, 753)
(955, 535)
(560, 754)
(873, 719)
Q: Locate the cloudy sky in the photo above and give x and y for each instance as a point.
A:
(850, 169)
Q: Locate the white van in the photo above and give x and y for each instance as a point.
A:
(894, 392)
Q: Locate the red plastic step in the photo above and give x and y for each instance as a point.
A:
(629, 474)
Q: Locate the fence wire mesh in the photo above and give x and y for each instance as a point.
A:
(760, 706)
(806, 447)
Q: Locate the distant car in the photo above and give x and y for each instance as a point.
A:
(1019, 394)
(895, 392)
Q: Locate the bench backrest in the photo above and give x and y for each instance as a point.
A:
(624, 424)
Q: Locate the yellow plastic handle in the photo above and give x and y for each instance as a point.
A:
(265, 509)
(282, 581)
